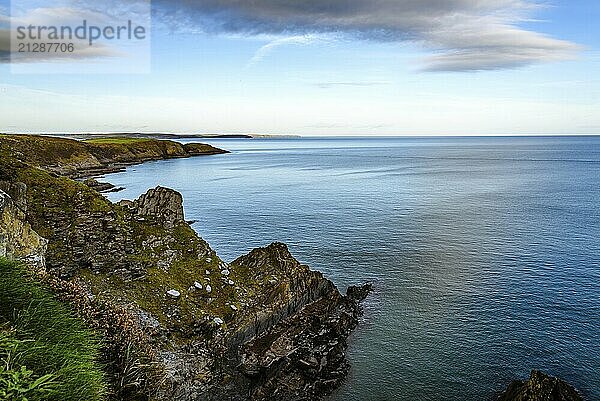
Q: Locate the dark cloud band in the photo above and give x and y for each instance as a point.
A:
(464, 35)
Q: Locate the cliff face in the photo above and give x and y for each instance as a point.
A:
(540, 387)
(17, 238)
(263, 326)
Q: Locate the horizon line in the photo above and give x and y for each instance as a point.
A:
(266, 136)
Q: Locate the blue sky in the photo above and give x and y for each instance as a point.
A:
(385, 67)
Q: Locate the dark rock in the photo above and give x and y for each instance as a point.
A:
(540, 387)
(299, 352)
(99, 186)
(288, 343)
(359, 293)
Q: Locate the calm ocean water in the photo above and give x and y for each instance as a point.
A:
(484, 252)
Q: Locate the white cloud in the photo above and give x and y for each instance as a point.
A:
(265, 50)
(489, 44)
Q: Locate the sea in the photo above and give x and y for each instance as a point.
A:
(484, 252)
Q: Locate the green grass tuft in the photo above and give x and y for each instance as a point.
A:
(46, 342)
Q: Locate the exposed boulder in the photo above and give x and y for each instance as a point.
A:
(540, 387)
(359, 293)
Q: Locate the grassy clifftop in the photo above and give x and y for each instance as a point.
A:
(46, 353)
(72, 158)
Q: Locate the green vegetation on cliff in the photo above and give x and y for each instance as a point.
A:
(71, 157)
(45, 353)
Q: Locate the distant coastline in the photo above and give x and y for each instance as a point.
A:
(159, 135)
(192, 136)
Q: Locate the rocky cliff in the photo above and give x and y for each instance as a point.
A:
(540, 387)
(263, 326)
(17, 238)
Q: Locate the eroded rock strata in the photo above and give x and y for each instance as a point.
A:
(261, 327)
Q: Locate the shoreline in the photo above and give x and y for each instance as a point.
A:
(254, 345)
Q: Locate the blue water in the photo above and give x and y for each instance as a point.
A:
(485, 252)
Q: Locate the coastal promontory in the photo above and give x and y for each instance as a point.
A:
(177, 322)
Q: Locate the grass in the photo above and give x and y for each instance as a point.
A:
(117, 141)
(42, 346)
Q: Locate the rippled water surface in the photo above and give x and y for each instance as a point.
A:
(485, 252)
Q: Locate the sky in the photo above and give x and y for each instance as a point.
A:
(314, 67)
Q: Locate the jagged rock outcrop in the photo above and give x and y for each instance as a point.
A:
(303, 357)
(287, 287)
(17, 239)
(18, 193)
(228, 333)
(287, 342)
(85, 231)
(161, 204)
(540, 387)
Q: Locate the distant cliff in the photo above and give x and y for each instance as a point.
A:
(96, 156)
(261, 327)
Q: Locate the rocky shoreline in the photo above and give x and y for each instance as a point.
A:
(178, 322)
(261, 327)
